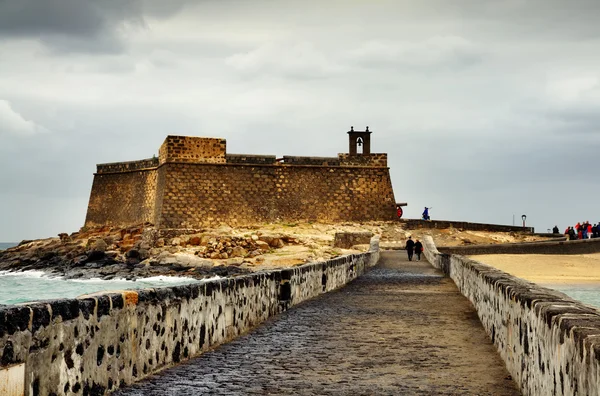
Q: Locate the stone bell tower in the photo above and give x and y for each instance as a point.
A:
(360, 141)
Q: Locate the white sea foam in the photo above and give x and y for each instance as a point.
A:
(30, 274)
(152, 279)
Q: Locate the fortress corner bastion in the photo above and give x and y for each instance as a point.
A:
(195, 183)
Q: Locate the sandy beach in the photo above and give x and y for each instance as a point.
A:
(548, 269)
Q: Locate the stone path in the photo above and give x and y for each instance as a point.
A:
(401, 329)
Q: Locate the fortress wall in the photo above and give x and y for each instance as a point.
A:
(121, 199)
(250, 159)
(98, 343)
(373, 159)
(199, 195)
(321, 161)
(193, 150)
(128, 166)
(549, 342)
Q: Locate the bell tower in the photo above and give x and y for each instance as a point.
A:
(360, 141)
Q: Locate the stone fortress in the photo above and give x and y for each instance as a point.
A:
(195, 183)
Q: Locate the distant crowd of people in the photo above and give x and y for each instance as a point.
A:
(583, 230)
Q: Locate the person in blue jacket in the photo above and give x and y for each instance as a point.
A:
(426, 214)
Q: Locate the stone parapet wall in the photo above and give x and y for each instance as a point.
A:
(373, 159)
(250, 159)
(549, 342)
(320, 161)
(556, 246)
(118, 167)
(97, 343)
(413, 224)
(345, 240)
(193, 150)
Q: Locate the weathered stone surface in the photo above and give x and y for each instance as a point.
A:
(400, 329)
(346, 240)
(97, 343)
(238, 251)
(536, 330)
(264, 246)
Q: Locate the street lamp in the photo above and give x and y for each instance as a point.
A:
(524, 217)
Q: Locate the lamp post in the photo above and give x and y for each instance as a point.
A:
(524, 217)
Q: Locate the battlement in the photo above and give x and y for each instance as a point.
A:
(320, 161)
(250, 159)
(194, 183)
(363, 159)
(129, 166)
(193, 149)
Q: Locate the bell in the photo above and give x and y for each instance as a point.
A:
(359, 143)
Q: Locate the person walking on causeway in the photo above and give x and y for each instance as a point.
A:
(410, 246)
(418, 249)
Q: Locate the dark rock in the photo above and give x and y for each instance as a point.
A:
(133, 253)
(95, 255)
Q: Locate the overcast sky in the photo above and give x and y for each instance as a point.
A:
(485, 108)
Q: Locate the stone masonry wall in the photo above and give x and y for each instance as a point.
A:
(373, 159)
(250, 159)
(193, 149)
(197, 195)
(97, 343)
(121, 199)
(322, 161)
(195, 183)
(412, 224)
(549, 342)
(557, 246)
(150, 163)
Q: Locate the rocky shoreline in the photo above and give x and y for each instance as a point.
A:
(140, 252)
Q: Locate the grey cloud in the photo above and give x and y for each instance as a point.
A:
(435, 53)
(80, 25)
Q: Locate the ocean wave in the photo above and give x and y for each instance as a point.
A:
(152, 279)
(30, 274)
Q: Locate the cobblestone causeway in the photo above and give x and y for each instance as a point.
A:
(401, 329)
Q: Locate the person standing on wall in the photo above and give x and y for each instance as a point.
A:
(410, 246)
(426, 214)
(418, 249)
(555, 230)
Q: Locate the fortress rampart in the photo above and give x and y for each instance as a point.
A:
(195, 183)
(97, 343)
(549, 342)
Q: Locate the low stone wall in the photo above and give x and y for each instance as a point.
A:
(345, 240)
(413, 224)
(97, 343)
(557, 246)
(549, 342)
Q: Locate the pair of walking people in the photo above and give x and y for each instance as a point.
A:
(415, 248)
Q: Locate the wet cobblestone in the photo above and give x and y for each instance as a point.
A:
(401, 329)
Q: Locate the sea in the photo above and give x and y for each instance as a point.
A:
(28, 286)
(6, 245)
(587, 294)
